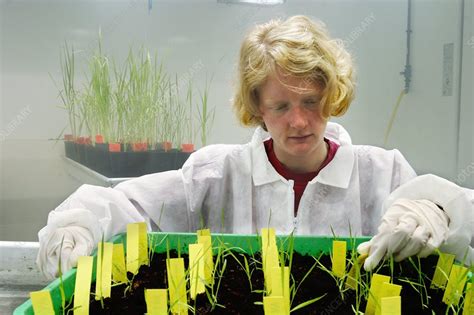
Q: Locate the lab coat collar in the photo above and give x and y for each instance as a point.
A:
(337, 173)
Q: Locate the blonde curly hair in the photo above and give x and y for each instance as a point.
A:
(299, 47)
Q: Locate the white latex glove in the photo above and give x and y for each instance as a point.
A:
(409, 227)
(456, 204)
(77, 229)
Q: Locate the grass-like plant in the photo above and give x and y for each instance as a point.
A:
(64, 305)
(67, 92)
(189, 124)
(97, 108)
(205, 114)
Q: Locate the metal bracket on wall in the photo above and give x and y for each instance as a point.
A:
(407, 72)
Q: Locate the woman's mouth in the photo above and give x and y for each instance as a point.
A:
(299, 138)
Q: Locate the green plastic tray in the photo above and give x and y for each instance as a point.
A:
(249, 243)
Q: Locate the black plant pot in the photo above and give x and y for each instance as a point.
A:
(81, 153)
(181, 157)
(162, 161)
(125, 164)
(97, 157)
(70, 150)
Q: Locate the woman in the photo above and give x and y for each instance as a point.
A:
(300, 173)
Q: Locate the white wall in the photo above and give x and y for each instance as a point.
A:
(427, 131)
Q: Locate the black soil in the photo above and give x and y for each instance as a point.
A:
(235, 295)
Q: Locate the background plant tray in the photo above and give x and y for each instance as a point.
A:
(248, 243)
(124, 164)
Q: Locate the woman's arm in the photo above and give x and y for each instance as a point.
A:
(93, 212)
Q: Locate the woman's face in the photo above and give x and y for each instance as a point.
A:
(292, 112)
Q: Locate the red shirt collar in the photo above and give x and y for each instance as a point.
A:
(298, 177)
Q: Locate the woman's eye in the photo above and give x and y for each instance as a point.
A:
(281, 107)
(311, 103)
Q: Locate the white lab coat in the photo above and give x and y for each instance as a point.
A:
(235, 189)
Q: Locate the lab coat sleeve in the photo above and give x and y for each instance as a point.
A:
(157, 199)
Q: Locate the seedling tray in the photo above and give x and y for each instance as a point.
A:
(304, 245)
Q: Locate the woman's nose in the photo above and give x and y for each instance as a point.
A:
(298, 118)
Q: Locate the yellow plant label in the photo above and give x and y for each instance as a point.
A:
(391, 305)
(276, 288)
(387, 290)
(456, 282)
(104, 270)
(274, 305)
(196, 269)
(268, 238)
(443, 267)
(270, 261)
(42, 303)
(203, 232)
(286, 288)
(468, 307)
(177, 285)
(280, 284)
(339, 249)
(354, 273)
(205, 240)
(119, 271)
(133, 261)
(156, 301)
(137, 246)
(83, 285)
(142, 243)
(374, 291)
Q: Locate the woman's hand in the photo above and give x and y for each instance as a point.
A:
(409, 227)
(67, 236)
(423, 214)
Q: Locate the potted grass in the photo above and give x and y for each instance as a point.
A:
(98, 110)
(261, 274)
(142, 110)
(205, 114)
(133, 122)
(68, 96)
(188, 145)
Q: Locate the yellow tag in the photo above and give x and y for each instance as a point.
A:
(443, 267)
(468, 308)
(276, 288)
(205, 240)
(270, 261)
(339, 249)
(142, 243)
(268, 238)
(281, 286)
(133, 261)
(286, 288)
(387, 290)
(274, 305)
(456, 282)
(103, 271)
(391, 305)
(354, 272)
(42, 303)
(119, 271)
(204, 232)
(196, 269)
(83, 285)
(156, 301)
(177, 285)
(375, 287)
